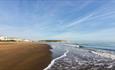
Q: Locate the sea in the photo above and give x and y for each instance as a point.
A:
(67, 55)
(59, 48)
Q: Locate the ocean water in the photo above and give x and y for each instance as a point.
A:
(68, 57)
(58, 49)
(100, 45)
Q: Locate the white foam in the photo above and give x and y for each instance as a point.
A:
(104, 54)
(52, 62)
(110, 66)
(78, 46)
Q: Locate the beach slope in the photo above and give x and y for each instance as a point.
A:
(24, 56)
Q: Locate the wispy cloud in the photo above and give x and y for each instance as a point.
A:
(79, 21)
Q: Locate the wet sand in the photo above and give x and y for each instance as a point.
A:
(24, 56)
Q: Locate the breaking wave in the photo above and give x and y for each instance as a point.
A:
(53, 61)
(104, 54)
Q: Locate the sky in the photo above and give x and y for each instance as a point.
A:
(92, 20)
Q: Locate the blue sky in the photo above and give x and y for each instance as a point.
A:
(92, 20)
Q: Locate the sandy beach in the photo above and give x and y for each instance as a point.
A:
(24, 56)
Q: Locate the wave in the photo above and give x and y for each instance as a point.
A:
(105, 54)
(73, 45)
(53, 61)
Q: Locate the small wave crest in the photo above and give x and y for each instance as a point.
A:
(53, 61)
(105, 54)
(73, 45)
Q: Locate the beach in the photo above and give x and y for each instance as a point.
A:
(24, 56)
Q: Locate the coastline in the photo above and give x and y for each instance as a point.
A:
(24, 56)
(53, 61)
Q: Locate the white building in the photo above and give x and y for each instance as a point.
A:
(12, 38)
(3, 37)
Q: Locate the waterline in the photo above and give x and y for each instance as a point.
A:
(53, 61)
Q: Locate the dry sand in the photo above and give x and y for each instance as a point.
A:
(24, 56)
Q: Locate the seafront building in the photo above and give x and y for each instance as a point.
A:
(6, 38)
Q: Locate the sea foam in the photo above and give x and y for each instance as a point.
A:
(53, 61)
(105, 54)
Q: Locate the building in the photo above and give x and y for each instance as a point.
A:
(6, 38)
(3, 37)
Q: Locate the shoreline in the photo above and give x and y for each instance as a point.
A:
(24, 56)
(53, 61)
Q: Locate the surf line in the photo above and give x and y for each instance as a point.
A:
(104, 54)
(52, 62)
